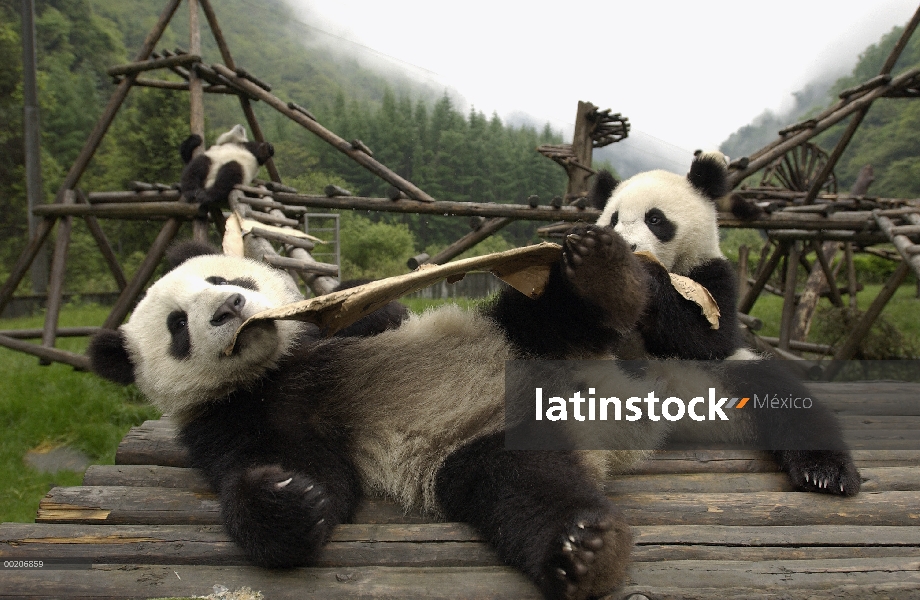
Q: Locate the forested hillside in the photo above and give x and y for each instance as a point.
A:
(416, 130)
(887, 138)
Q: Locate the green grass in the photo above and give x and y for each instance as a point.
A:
(42, 407)
(902, 311)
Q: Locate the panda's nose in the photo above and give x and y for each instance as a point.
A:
(232, 307)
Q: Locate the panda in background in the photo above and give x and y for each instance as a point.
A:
(674, 218)
(292, 428)
(232, 160)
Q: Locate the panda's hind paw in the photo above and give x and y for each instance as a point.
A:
(823, 471)
(590, 558)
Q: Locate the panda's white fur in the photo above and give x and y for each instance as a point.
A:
(175, 384)
(230, 147)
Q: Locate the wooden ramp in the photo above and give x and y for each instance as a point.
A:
(708, 524)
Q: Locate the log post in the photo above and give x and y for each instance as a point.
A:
(764, 273)
(792, 270)
(196, 107)
(743, 285)
(851, 273)
(582, 146)
(56, 280)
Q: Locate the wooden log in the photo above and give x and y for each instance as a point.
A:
(46, 354)
(148, 581)
(288, 240)
(257, 134)
(169, 506)
(743, 284)
(273, 219)
(143, 196)
(180, 60)
(21, 267)
(463, 209)
(121, 210)
(819, 277)
(850, 346)
(144, 272)
(765, 272)
(419, 259)
(218, 33)
(792, 270)
(296, 107)
(56, 278)
(283, 262)
(470, 240)
(801, 346)
(25, 334)
(334, 190)
(102, 242)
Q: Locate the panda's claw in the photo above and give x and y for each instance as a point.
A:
(822, 471)
(282, 484)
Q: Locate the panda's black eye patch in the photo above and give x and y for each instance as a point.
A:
(614, 219)
(659, 225)
(180, 343)
(244, 282)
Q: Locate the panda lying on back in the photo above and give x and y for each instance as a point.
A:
(674, 219)
(232, 160)
(291, 428)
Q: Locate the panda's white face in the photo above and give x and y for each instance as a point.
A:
(178, 332)
(662, 213)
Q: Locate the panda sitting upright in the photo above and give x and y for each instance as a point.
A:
(233, 160)
(674, 219)
(291, 428)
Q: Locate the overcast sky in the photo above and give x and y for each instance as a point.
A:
(689, 73)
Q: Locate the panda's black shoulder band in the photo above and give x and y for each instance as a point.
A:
(603, 186)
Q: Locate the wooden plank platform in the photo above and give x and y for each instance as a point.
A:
(707, 524)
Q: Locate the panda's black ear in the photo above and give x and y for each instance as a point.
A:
(603, 186)
(180, 252)
(709, 175)
(108, 357)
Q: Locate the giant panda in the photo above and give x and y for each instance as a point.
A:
(673, 218)
(233, 160)
(292, 428)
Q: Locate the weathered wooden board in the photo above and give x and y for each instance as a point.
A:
(875, 479)
(135, 505)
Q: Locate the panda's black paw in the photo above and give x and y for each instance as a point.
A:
(822, 471)
(601, 267)
(590, 557)
(281, 518)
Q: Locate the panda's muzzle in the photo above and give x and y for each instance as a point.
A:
(232, 307)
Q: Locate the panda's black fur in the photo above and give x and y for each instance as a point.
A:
(210, 177)
(292, 428)
(674, 218)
